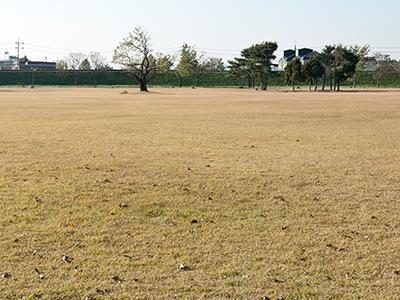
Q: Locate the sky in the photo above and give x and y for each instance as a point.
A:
(221, 28)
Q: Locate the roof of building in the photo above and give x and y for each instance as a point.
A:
(29, 62)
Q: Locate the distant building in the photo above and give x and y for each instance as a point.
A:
(9, 64)
(39, 66)
(288, 55)
(305, 52)
(24, 64)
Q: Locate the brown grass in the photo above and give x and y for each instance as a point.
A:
(255, 194)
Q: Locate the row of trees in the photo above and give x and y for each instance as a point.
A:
(332, 66)
(255, 62)
(84, 62)
(384, 65)
(335, 64)
(190, 63)
(136, 55)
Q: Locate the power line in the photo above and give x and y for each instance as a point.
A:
(226, 53)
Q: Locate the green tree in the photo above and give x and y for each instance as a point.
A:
(243, 68)
(345, 64)
(164, 63)
(327, 60)
(293, 72)
(188, 63)
(313, 70)
(262, 55)
(135, 54)
(255, 61)
(212, 64)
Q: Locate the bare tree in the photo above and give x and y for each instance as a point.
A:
(362, 53)
(74, 60)
(135, 53)
(384, 67)
(97, 61)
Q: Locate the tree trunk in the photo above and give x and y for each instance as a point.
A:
(293, 86)
(316, 86)
(196, 79)
(309, 85)
(143, 86)
(249, 82)
(338, 86)
(95, 77)
(76, 78)
(330, 81)
(263, 83)
(324, 82)
(263, 86)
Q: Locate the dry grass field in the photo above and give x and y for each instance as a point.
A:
(199, 194)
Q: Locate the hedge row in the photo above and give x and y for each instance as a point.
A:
(107, 78)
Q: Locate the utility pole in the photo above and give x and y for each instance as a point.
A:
(19, 47)
(33, 78)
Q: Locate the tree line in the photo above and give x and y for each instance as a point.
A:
(327, 69)
(83, 62)
(135, 54)
(334, 64)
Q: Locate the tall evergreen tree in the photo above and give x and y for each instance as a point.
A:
(327, 60)
(345, 64)
(313, 70)
(188, 62)
(293, 72)
(255, 62)
(262, 54)
(243, 68)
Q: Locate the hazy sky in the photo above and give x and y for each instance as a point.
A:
(222, 28)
